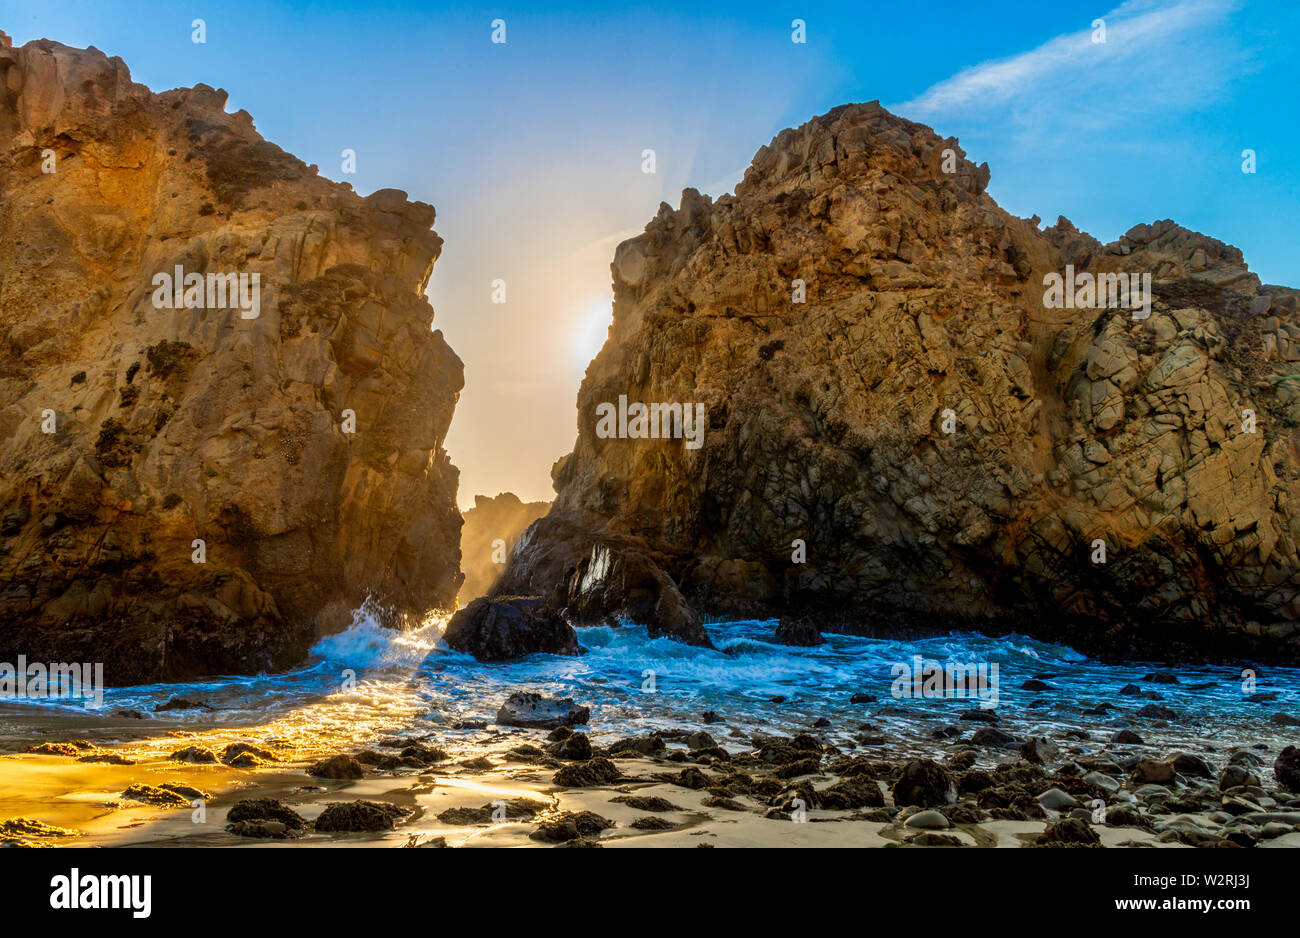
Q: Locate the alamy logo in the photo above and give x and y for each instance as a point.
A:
(179, 290)
(929, 679)
(638, 421)
(55, 681)
(1098, 291)
(75, 891)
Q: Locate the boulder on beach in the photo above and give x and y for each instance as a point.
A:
(533, 710)
(501, 629)
(925, 783)
(1287, 768)
(340, 766)
(367, 816)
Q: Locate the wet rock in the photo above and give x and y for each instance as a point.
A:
(107, 758)
(1056, 800)
(700, 740)
(927, 820)
(798, 768)
(1127, 737)
(421, 755)
(1035, 685)
(340, 767)
(534, 710)
(646, 803)
(198, 755)
(797, 632)
(925, 783)
(992, 736)
(235, 750)
(570, 825)
(502, 629)
(265, 810)
(1157, 712)
(961, 761)
(1161, 677)
(1188, 764)
(640, 745)
(364, 816)
(1038, 750)
(589, 774)
(1234, 776)
(934, 839)
(712, 716)
(975, 781)
(1149, 771)
(160, 797)
(181, 703)
(652, 824)
(1287, 768)
(1069, 831)
(576, 747)
(1284, 719)
(979, 716)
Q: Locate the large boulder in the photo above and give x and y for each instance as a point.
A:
(206, 486)
(534, 710)
(501, 629)
(1287, 768)
(926, 783)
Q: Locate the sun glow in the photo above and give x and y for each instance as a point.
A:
(590, 334)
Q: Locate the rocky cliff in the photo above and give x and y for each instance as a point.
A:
(905, 430)
(221, 399)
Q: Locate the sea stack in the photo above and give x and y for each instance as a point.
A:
(222, 400)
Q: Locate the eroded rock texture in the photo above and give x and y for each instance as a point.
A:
(172, 425)
(826, 419)
(492, 528)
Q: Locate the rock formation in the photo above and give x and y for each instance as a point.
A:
(492, 528)
(904, 431)
(284, 402)
(501, 629)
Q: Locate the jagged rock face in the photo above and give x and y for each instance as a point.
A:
(492, 528)
(947, 449)
(201, 421)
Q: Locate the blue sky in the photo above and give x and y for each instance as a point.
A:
(531, 150)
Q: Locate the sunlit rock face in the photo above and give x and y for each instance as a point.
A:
(296, 432)
(929, 438)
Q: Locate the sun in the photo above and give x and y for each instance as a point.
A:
(590, 334)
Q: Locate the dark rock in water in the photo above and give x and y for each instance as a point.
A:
(1069, 831)
(798, 632)
(979, 716)
(924, 783)
(340, 766)
(469, 725)
(378, 759)
(1261, 698)
(961, 761)
(1127, 737)
(266, 809)
(129, 714)
(501, 629)
(1284, 719)
(589, 774)
(181, 703)
(576, 747)
(712, 716)
(1161, 677)
(559, 733)
(1287, 768)
(420, 755)
(570, 825)
(1157, 712)
(821, 723)
(366, 816)
(107, 758)
(862, 698)
(992, 736)
(1130, 690)
(1034, 684)
(526, 709)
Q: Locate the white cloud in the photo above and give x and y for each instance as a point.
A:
(1157, 55)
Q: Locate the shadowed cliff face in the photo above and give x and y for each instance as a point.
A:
(297, 432)
(935, 443)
